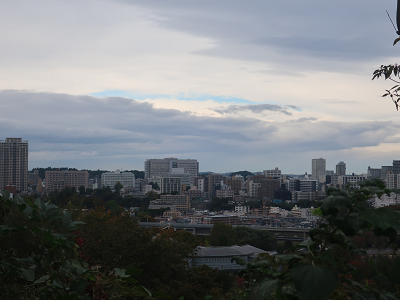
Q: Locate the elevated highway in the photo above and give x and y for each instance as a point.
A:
(281, 233)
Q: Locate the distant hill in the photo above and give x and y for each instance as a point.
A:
(242, 173)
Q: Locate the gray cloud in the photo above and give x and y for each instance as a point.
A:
(300, 120)
(88, 132)
(310, 34)
(256, 108)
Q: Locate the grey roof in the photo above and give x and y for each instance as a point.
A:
(246, 250)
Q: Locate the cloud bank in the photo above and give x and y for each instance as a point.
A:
(89, 132)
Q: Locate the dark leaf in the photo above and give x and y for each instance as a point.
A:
(313, 282)
(264, 289)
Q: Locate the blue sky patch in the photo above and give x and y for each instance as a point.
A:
(138, 96)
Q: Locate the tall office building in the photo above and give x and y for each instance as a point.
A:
(396, 166)
(341, 169)
(318, 169)
(386, 170)
(14, 163)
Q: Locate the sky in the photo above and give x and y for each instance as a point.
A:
(237, 85)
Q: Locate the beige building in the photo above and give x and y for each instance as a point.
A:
(57, 180)
(14, 163)
(181, 202)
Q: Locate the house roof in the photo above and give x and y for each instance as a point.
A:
(245, 250)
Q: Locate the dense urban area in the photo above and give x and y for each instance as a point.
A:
(184, 233)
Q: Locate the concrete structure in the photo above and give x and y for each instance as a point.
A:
(318, 168)
(392, 181)
(57, 180)
(253, 189)
(213, 181)
(224, 193)
(341, 169)
(127, 179)
(181, 202)
(385, 170)
(242, 209)
(386, 200)
(396, 166)
(227, 219)
(235, 184)
(221, 257)
(171, 184)
(14, 163)
(276, 173)
(302, 185)
(374, 172)
(164, 167)
(268, 188)
(353, 179)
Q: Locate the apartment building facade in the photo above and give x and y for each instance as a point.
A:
(14, 163)
(57, 180)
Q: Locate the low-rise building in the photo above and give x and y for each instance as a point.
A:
(221, 257)
(227, 219)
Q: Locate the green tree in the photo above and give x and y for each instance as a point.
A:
(113, 207)
(163, 255)
(118, 186)
(257, 238)
(154, 185)
(223, 235)
(82, 190)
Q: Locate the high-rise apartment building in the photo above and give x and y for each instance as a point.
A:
(164, 167)
(341, 169)
(318, 169)
(14, 163)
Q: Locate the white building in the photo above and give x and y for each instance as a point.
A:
(273, 173)
(240, 209)
(127, 179)
(318, 169)
(386, 200)
(254, 187)
(164, 167)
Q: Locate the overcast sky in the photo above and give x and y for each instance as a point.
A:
(253, 84)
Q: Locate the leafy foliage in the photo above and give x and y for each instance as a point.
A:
(118, 242)
(391, 72)
(261, 239)
(38, 258)
(223, 235)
